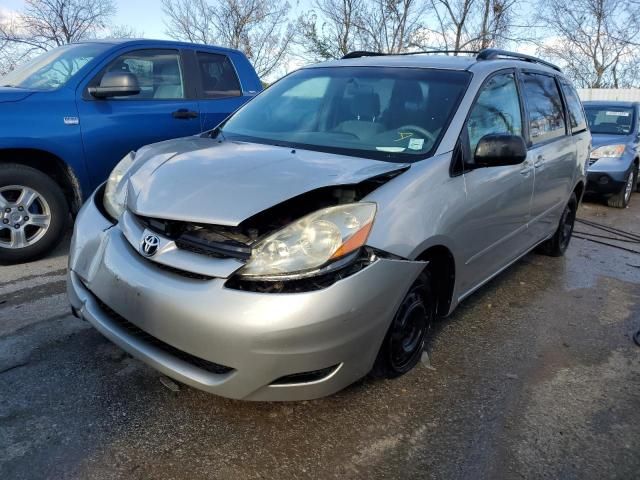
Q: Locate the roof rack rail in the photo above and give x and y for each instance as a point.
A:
(363, 53)
(493, 53)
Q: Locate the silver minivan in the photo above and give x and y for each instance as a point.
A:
(315, 235)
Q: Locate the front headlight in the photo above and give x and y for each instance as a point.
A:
(309, 244)
(608, 151)
(115, 193)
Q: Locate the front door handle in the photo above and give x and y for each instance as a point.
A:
(184, 114)
(526, 169)
(539, 162)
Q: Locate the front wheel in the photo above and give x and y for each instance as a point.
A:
(558, 244)
(404, 342)
(33, 213)
(621, 199)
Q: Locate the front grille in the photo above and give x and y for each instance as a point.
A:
(165, 347)
(210, 240)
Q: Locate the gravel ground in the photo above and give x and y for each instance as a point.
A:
(534, 376)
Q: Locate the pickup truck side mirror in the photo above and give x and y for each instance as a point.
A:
(496, 150)
(116, 84)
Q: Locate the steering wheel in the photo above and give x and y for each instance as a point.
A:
(425, 133)
(339, 132)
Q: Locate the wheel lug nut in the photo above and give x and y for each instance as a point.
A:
(20, 208)
(8, 210)
(16, 226)
(26, 219)
(5, 221)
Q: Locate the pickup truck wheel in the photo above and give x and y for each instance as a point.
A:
(404, 342)
(33, 213)
(621, 199)
(558, 244)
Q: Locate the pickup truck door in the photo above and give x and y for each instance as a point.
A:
(220, 91)
(165, 108)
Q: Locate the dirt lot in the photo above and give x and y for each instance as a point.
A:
(534, 376)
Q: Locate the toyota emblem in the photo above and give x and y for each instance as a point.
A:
(149, 245)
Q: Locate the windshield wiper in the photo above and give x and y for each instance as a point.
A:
(10, 86)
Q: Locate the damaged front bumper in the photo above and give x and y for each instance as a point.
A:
(234, 343)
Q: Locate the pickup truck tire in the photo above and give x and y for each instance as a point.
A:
(621, 199)
(404, 342)
(558, 244)
(33, 213)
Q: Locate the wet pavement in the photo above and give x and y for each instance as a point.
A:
(534, 376)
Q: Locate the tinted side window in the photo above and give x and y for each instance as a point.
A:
(497, 110)
(159, 73)
(574, 107)
(219, 78)
(546, 117)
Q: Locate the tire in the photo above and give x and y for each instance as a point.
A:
(33, 213)
(404, 342)
(557, 245)
(621, 199)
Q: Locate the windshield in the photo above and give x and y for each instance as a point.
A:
(54, 68)
(396, 114)
(609, 119)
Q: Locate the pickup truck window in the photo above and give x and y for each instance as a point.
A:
(218, 76)
(53, 69)
(159, 74)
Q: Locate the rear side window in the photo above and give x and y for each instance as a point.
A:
(497, 110)
(218, 76)
(544, 107)
(574, 106)
(159, 73)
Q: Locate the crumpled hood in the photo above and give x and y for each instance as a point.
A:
(199, 180)
(600, 139)
(10, 94)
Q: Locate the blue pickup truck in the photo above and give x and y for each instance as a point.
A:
(68, 116)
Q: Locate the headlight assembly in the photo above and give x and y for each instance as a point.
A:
(115, 192)
(608, 151)
(311, 244)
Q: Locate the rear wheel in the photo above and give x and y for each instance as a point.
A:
(621, 199)
(404, 342)
(33, 213)
(558, 244)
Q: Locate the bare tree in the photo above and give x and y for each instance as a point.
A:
(330, 29)
(468, 24)
(44, 24)
(593, 40)
(389, 26)
(260, 29)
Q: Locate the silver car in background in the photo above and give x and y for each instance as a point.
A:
(314, 237)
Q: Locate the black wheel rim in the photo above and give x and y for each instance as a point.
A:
(409, 331)
(566, 226)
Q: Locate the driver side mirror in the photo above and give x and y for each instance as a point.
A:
(116, 84)
(496, 150)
